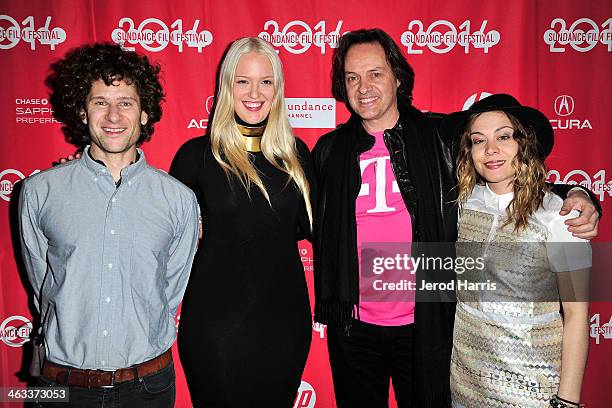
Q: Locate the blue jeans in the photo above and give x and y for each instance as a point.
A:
(153, 391)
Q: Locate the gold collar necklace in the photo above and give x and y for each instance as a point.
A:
(252, 137)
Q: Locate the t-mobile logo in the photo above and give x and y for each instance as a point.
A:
(380, 164)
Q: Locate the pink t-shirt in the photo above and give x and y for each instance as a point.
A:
(381, 217)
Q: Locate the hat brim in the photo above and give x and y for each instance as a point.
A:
(454, 124)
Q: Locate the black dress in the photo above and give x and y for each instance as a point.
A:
(245, 327)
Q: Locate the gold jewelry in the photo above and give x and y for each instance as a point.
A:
(252, 143)
(252, 137)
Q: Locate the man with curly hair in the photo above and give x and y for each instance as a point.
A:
(108, 240)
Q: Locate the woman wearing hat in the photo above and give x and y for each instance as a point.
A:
(511, 345)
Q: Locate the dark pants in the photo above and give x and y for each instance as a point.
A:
(363, 362)
(156, 390)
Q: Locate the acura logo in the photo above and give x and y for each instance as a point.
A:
(564, 105)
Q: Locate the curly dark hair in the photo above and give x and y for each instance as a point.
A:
(71, 78)
(400, 67)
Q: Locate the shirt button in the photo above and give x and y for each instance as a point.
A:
(129, 183)
(112, 232)
(103, 171)
(113, 199)
(95, 179)
(107, 300)
(105, 333)
(110, 266)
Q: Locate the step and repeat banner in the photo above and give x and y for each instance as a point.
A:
(551, 54)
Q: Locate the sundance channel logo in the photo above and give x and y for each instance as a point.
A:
(311, 113)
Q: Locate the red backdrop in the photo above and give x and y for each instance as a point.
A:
(554, 55)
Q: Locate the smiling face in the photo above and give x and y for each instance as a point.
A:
(113, 116)
(371, 86)
(253, 87)
(493, 150)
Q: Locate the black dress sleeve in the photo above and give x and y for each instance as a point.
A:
(188, 163)
(304, 230)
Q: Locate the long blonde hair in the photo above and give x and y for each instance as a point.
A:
(277, 143)
(529, 183)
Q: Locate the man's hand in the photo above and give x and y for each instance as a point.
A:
(584, 226)
(70, 157)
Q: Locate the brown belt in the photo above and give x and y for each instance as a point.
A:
(76, 377)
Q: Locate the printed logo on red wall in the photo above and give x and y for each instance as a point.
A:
(599, 330)
(597, 183)
(582, 35)
(15, 331)
(202, 123)
(306, 396)
(154, 35)
(297, 36)
(564, 108)
(319, 328)
(564, 105)
(442, 36)
(13, 32)
(307, 261)
(8, 178)
(474, 98)
(311, 113)
(33, 111)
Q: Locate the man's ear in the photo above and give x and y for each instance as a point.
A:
(83, 116)
(144, 118)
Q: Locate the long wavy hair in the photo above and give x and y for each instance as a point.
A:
(529, 183)
(277, 143)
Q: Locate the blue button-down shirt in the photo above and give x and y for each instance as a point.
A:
(109, 265)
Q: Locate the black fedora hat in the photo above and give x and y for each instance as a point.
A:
(453, 125)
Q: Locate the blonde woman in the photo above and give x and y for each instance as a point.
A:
(511, 346)
(245, 325)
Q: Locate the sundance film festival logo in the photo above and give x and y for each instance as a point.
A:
(597, 183)
(12, 33)
(297, 36)
(15, 331)
(202, 123)
(442, 36)
(154, 35)
(599, 330)
(306, 396)
(311, 112)
(582, 35)
(8, 178)
(564, 108)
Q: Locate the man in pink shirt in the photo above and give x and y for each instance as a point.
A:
(385, 178)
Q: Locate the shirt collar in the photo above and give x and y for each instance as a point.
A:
(497, 201)
(127, 173)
